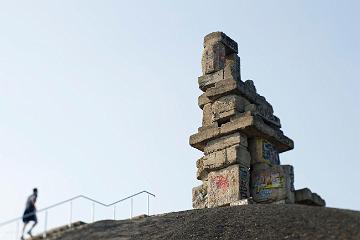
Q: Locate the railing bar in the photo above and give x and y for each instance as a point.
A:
(71, 212)
(45, 224)
(148, 205)
(59, 203)
(114, 212)
(130, 197)
(121, 200)
(92, 212)
(17, 230)
(72, 199)
(131, 208)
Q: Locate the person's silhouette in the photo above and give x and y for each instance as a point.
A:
(30, 213)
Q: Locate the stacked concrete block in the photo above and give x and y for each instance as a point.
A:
(240, 136)
(273, 184)
(270, 181)
(228, 185)
(305, 196)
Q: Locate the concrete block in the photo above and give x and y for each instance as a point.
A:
(223, 88)
(272, 185)
(264, 113)
(203, 100)
(214, 37)
(232, 67)
(207, 115)
(260, 167)
(261, 101)
(201, 173)
(215, 160)
(306, 197)
(225, 142)
(228, 106)
(252, 126)
(208, 80)
(289, 172)
(236, 154)
(318, 200)
(199, 196)
(224, 117)
(228, 185)
(211, 126)
(213, 58)
(199, 139)
(235, 86)
(262, 151)
(303, 195)
(289, 176)
(249, 84)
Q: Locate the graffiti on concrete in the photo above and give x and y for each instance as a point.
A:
(264, 194)
(244, 183)
(266, 183)
(221, 182)
(270, 153)
(272, 181)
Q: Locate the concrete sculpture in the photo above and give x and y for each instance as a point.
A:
(240, 137)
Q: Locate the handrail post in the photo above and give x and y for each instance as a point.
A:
(114, 212)
(71, 212)
(148, 205)
(93, 212)
(131, 208)
(17, 230)
(45, 224)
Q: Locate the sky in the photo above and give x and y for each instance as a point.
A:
(100, 97)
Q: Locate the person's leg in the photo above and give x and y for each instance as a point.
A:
(32, 227)
(23, 230)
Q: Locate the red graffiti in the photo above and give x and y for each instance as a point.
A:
(221, 182)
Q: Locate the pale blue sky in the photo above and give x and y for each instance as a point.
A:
(100, 97)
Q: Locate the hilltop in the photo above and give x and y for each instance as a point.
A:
(258, 222)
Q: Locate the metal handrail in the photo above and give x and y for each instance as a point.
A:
(83, 197)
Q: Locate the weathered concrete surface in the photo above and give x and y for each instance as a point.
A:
(252, 126)
(202, 100)
(213, 58)
(225, 142)
(208, 80)
(264, 113)
(60, 231)
(305, 196)
(214, 37)
(207, 115)
(250, 222)
(232, 66)
(230, 69)
(228, 106)
(273, 184)
(199, 196)
(236, 154)
(228, 185)
(233, 86)
(262, 151)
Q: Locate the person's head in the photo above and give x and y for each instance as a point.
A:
(35, 191)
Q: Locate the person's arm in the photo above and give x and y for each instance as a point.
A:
(33, 201)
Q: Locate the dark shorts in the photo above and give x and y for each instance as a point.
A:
(29, 215)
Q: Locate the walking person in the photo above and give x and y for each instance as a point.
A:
(30, 213)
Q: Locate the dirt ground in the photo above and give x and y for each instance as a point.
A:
(240, 222)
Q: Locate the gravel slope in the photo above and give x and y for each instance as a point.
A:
(239, 222)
